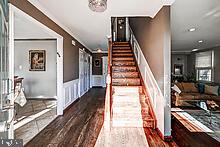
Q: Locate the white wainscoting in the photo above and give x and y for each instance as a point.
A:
(97, 80)
(156, 96)
(71, 92)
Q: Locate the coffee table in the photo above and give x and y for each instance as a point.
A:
(206, 106)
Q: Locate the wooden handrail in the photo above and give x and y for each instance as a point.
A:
(108, 96)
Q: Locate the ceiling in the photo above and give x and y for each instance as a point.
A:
(91, 28)
(25, 29)
(204, 15)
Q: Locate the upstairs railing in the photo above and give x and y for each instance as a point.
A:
(108, 96)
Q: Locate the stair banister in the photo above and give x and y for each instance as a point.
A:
(108, 96)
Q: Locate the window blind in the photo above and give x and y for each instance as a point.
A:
(204, 59)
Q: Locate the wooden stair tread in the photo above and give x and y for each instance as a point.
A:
(124, 68)
(121, 50)
(121, 55)
(131, 74)
(123, 58)
(116, 45)
(123, 63)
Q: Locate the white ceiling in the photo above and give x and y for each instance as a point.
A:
(91, 28)
(25, 29)
(201, 14)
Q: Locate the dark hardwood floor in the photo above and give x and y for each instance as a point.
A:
(154, 139)
(79, 126)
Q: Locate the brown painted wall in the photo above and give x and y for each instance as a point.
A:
(71, 53)
(97, 70)
(153, 36)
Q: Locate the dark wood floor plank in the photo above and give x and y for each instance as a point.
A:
(154, 139)
(185, 137)
(79, 126)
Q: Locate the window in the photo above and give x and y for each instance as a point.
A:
(204, 66)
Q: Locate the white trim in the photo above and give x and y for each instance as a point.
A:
(54, 19)
(59, 59)
(100, 52)
(181, 52)
(11, 64)
(168, 2)
(103, 75)
(90, 71)
(71, 94)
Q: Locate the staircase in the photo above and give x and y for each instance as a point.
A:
(130, 107)
(124, 70)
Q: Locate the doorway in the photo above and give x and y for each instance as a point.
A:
(41, 54)
(121, 29)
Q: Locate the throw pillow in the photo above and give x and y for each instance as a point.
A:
(211, 90)
(176, 89)
(219, 90)
(201, 87)
(179, 85)
(189, 87)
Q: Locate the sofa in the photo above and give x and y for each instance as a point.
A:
(185, 92)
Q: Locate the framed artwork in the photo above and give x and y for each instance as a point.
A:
(97, 63)
(37, 60)
(178, 69)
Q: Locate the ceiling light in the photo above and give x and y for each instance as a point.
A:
(98, 5)
(195, 49)
(192, 29)
(200, 41)
(99, 50)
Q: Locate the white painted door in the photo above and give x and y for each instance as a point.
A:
(104, 69)
(84, 72)
(87, 72)
(81, 73)
(6, 83)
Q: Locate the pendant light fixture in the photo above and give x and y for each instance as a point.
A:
(98, 5)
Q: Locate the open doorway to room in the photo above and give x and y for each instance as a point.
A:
(195, 72)
(37, 75)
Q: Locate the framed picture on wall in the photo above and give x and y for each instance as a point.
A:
(178, 69)
(37, 60)
(97, 63)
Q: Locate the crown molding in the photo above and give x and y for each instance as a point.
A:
(100, 52)
(181, 52)
(168, 2)
(54, 19)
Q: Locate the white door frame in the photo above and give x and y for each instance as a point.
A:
(104, 73)
(12, 11)
(91, 83)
